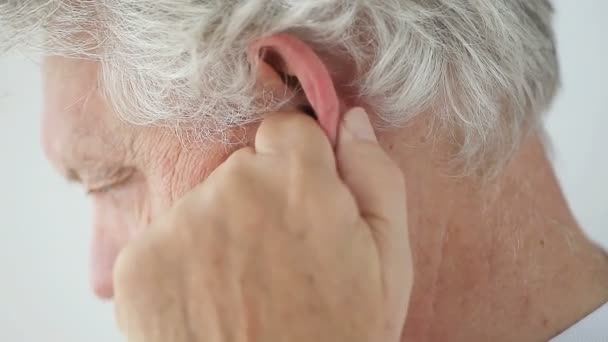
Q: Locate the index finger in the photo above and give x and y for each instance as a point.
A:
(294, 135)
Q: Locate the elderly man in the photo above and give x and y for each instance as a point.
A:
(234, 216)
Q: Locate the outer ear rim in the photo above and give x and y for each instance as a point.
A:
(314, 77)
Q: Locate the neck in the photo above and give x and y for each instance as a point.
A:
(499, 260)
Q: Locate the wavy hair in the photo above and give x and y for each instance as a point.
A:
(485, 69)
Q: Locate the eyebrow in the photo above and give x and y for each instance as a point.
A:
(91, 160)
(95, 171)
(100, 174)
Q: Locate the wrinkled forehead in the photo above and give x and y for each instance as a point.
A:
(71, 106)
(75, 115)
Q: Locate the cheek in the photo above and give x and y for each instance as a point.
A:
(178, 174)
(123, 213)
(174, 163)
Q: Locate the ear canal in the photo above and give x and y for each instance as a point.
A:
(292, 82)
(308, 110)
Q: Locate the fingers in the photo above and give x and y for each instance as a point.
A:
(373, 178)
(295, 135)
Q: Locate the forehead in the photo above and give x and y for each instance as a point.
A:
(69, 88)
(76, 121)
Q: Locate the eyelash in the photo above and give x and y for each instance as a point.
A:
(104, 189)
(101, 190)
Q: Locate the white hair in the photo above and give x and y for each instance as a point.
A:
(486, 69)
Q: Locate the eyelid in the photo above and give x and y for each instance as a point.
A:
(116, 178)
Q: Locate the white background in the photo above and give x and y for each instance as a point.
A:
(44, 223)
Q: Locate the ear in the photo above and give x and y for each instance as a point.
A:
(286, 59)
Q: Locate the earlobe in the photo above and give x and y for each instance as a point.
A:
(297, 60)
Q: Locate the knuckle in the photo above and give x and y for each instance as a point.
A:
(243, 154)
(286, 119)
(239, 160)
(270, 125)
(290, 126)
(305, 129)
(127, 270)
(140, 262)
(230, 177)
(141, 269)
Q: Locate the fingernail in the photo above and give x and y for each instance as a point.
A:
(356, 122)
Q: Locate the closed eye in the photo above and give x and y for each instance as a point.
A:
(117, 179)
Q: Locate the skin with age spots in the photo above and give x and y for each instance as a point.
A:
(475, 243)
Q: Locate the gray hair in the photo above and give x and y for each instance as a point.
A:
(485, 69)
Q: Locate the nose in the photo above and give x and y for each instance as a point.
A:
(114, 227)
(104, 251)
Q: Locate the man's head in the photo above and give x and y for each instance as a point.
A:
(190, 79)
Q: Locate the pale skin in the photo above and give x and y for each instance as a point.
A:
(284, 241)
(501, 260)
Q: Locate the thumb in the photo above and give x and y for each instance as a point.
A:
(378, 187)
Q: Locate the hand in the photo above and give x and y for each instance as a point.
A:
(287, 241)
